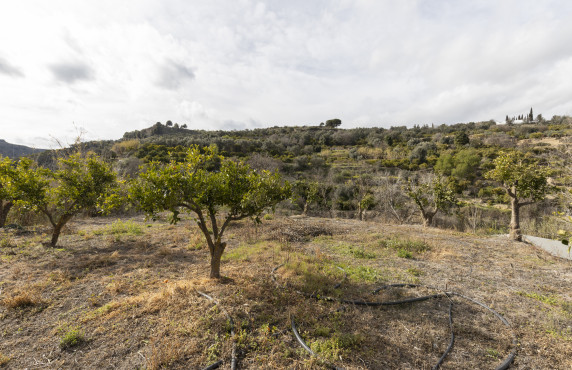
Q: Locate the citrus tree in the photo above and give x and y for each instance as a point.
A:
(6, 188)
(308, 192)
(79, 183)
(524, 180)
(216, 190)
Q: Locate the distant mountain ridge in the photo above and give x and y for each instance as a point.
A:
(14, 150)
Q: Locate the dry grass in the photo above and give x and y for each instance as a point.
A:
(23, 298)
(136, 298)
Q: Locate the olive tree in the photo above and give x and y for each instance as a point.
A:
(431, 194)
(216, 190)
(79, 183)
(524, 181)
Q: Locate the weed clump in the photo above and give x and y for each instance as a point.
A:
(403, 253)
(4, 359)
(335, 346)
(71, 336)
(7, 242)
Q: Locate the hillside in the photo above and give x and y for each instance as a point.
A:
(372, 166)
(125, 294)
(15, 151)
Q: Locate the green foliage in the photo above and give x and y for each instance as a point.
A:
(335, 346)
(333, 123)
(421, 151)
(431, 195)
(363, 273)
(206, 184)
(71, 336)
(461, 138)
(308, 192)
(467, 162)
(367, 202)
(356, 251)
(79, 183)
(445, 164)
(552, 301)
(7, 195)
(462, 165)
(522, 176)
(402, 253)
(524, 180)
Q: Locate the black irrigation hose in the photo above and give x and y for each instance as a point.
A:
(445, 294)
(233, 359)
(451, 342)
(216, 365)
(305, 346)
(344, 279)
(299, 338)
(504, 365)
(510, 358)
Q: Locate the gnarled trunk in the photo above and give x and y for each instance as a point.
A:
(427, 218)
(58, 228)
(515, 233)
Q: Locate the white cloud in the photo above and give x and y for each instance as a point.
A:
(222, 64)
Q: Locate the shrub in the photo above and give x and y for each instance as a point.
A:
(71, 337)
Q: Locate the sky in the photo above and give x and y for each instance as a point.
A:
(99, 68)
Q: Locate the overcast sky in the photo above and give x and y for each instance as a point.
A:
(110, 66)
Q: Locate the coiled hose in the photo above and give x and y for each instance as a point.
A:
(233, 359)
(445, 294)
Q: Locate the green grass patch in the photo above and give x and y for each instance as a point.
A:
(246, 251)
(314, 274)
(414, 271)
(354, 251)
(492, 353)
(540, 297)
(120, 228)
(335, 346)
(363, 273)
(7, 242)
(402, 253)
(71, 336)
(413, 246)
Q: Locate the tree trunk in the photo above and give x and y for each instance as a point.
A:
(427, 218)
(58, 228)
(305, 212)
(56, 234)
(4, 209)
(515, 233)
(215, 260)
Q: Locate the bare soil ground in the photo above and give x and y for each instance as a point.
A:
(125, 295)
